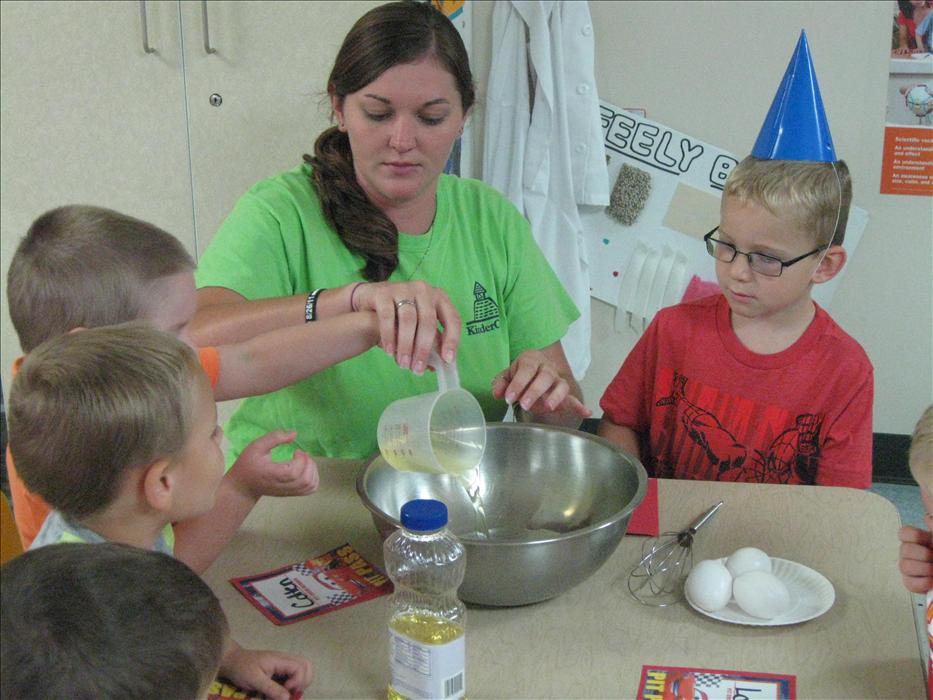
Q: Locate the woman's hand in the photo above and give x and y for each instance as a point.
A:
(540, 381)
(408, 314)
(916, 559)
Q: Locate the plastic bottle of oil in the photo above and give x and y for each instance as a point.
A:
(427, 644)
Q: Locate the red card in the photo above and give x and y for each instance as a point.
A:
(713, 684)
(644, 520)
(333, 580)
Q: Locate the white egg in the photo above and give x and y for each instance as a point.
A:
(709, 585)
(761, 594)
(746, 559)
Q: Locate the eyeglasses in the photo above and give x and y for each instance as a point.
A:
(763, 264)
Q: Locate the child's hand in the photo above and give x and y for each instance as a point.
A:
(916, 559)
(276, 675)
(256, 473)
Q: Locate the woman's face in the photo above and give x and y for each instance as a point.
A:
(401, 129)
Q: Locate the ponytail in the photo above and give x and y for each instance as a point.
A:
(361, 225)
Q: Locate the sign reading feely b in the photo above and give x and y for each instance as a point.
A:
(647, 245)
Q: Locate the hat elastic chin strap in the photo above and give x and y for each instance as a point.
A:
(838, 216)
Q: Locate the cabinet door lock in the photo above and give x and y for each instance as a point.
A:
(216, 100)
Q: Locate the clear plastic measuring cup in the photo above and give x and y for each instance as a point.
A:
(442, 432)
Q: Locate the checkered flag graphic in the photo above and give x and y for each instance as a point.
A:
(707, 680)
(339, 598)
(302, 569)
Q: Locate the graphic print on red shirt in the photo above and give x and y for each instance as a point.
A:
(708, 449)
(706, 407)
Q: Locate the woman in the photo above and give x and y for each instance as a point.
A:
(369, 222)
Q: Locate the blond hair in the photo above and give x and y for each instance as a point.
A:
(814, 197)
(83, 267)
(87, 407)
(921, 451)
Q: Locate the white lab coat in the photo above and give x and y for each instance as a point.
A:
(543, 138)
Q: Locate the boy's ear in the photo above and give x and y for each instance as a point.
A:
(158, 484)
(833, 261)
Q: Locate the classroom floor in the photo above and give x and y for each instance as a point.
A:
(907, 499)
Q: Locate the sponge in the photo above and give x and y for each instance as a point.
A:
(629, 194)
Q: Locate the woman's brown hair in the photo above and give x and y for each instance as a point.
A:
(389, 35)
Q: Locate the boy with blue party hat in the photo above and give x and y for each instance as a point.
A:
(758, 383)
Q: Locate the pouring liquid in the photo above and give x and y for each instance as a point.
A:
(471, 484)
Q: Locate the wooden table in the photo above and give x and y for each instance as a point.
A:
(591, 641)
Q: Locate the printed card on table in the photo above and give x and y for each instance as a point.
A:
(676, 683)
(331, 581)
(222, 689)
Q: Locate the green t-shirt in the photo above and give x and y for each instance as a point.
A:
(276, 242)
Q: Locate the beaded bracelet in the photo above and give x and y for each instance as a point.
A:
(311, 305)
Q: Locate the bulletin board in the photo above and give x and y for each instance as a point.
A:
(646, 247)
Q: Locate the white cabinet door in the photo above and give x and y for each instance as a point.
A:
(89, 117)
(270, 69)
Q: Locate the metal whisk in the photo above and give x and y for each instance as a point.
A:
(659, 577)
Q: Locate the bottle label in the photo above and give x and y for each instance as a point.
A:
(427, 670)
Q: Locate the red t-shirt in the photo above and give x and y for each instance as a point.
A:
(706, 407)
(30, 509)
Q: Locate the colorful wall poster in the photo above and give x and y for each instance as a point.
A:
(907, 159)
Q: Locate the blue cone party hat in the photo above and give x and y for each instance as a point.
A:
(796, 126)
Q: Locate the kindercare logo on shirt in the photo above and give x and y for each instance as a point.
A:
(485, 312)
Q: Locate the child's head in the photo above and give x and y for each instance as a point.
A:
(107, 621)
(84, 267)
(788, 218)
(921, 456)
(116, 412)
(812, 197)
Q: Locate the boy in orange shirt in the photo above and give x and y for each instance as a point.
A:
(85, 267)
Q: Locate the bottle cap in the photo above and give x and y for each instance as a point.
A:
(424, 515)
(796, 127)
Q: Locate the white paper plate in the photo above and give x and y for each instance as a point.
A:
(811, 595)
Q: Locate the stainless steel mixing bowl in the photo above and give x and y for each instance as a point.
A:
(557, 503)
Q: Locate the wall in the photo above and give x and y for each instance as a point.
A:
(710, 69)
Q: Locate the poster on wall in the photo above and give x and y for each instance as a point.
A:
(646, 248)
(907, 158)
